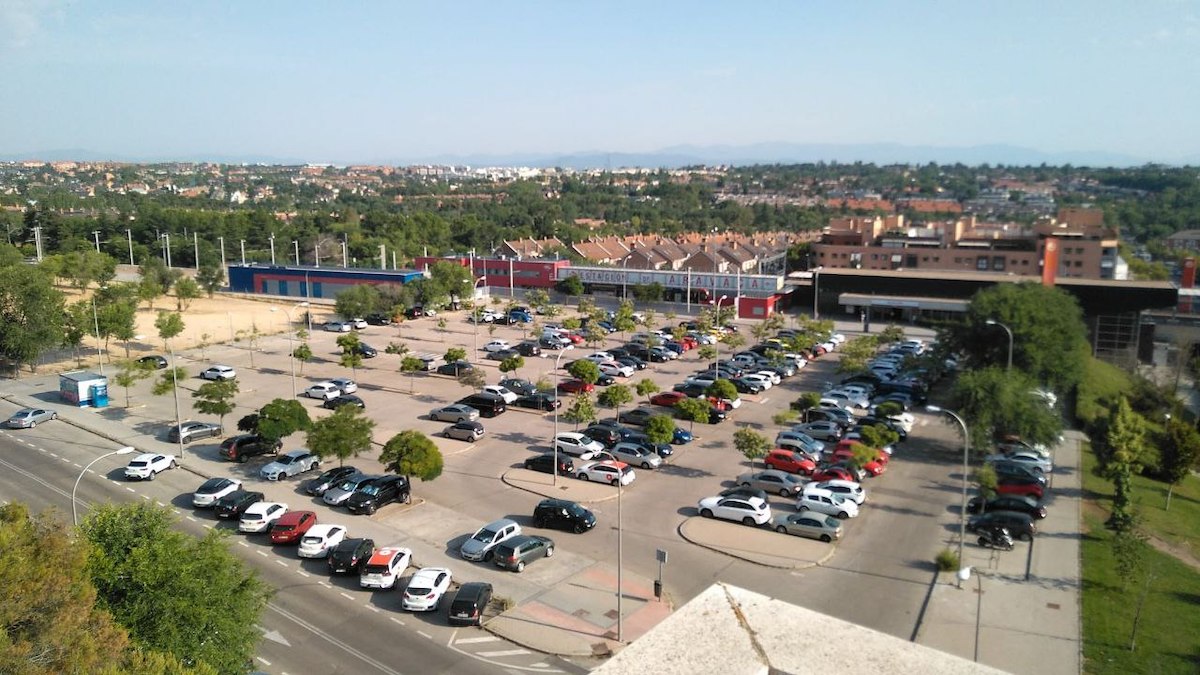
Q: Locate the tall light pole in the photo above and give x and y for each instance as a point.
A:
(620, 594)
(717, 321)
(475, 317)
(557, 381)
(99, 350)
(291, 349)
(816, 291)
(175, 391)
(74, 508)
(129, 235)
(624, 276)
(296, 245)
(962, 516)
(993, 322)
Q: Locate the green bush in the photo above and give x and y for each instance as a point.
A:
(1102, 384)
(947, 560)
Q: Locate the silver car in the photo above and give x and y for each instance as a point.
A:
(811, 525)
(636, 455)
(454, 413)
(28, 418)
(488, 537)
(337, 496)
(772, 481)
(291, 464)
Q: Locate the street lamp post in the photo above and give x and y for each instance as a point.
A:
(620, 590)
(962, 516)
(175, 391)
(816, 291)
(475, 317)
(291, 348)
(99, 349)
(74, 508)
(717, 321)
(557, 381)
(993, 322)
(624, 276)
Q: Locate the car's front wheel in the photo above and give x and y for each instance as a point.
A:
(707, 513)
(783, 492)
(583, 477)
(53, 416)
(843, 515)
(748, 521)
(781, 529)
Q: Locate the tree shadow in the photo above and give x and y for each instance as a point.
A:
(683, 471)
(1190, 598)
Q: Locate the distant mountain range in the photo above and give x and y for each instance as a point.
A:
(683, 155)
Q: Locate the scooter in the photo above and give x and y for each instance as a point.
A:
(999, 538)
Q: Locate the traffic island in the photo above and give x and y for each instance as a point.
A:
(758, 545)
(569, 487)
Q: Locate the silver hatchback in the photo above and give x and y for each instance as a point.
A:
(336, 496)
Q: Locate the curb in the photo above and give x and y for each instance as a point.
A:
(181, 463)
(805, 565)
(504, 479)
(525, 645)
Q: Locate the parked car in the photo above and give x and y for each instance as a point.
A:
(379, 319)
(337, 495)
(635, 454)
(638, 417)
(453, 369)
(824, 473)
(606, 472)
(827, 502)
(481, 544)
(519, 386)
(1026, 458)
(743, 492)
(242, 447)
(292, 526)
(320, 540)
(259, 516)
(496, 345)
(503, 392)
(366, 351)
(1019, 525)
(290, 464)
(488, 405)
(384, 568)
(192, 430)
(344, 400)
(539, 401)
(323, 391)
(528, 348)
(577, 445)
(153, 361)
(339, 326)
(28, 418)
(457, 412)
(426, 589)
(1018, 503)
(378, 493)
(350, 555)
(234, 504)
(317, 486)
(545, 464)
(213, 489)
(148, 465)
(469, 604)
(574, 386)
(822, 431)
(790, 461)
(564, 515)
(773, 481)
(747, 511)
(518, 552)
(1029, 487)
(846, 489)
(218, 373)
(667, 398)
(811, 525)
(1007, 469)
(464, 431)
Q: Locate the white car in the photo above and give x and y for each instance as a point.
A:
(213, 489)
(1028, 458)
(847, 399)
(903, 420)
(606, 472)
(259, 516)
(384, 567)
(751, 511)
(497, 346)
(425, 589)
(798, 362)
(148, 465)
(320, 540)
(323, 390)
(825, 501)
(761, 380)
(339, 326)
(847, 489)
(770, 375)
(856, 390)
(599, 357)
(358, 323)
(577, 445)
(837, 338)
(616, 369)
(290, 464)
(219, 373)
(732, 403)
(510, 397)
(345, 385)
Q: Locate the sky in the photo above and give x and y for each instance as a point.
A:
(355, 82)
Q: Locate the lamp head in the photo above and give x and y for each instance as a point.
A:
(992, 322)
(933, 408)
(129, 449)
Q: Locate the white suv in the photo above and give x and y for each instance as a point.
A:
(825, 501)
(384, 568)
(746, 510)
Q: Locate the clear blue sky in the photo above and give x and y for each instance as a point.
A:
(361, 81)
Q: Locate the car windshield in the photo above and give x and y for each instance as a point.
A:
(576, 510)
(485, 535)
(831, 523)
(348, 485)
(369, 490)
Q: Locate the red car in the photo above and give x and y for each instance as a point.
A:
(845, 452)
(575, 338)
(1028, 487)
(718, 403)
(667, 398)
(575, 386)
(790, 461)
(291, 526)
(832, 473)
(688, 342)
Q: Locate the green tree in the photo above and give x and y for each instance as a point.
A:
(32, 312)
(175, 593)
(538, 299)
(986, 482)
(512, 364)
(572, 286)
(806, 401)
(167, 380)
(862, 454)
(707, 353)
(997, 401)
(572, 323)
(1126, 440)
(129, 373)
(344, 434)
(358, 301)
(751, 444)
(694, 410)
(211, 278)
(1180, 452)
(472, 378)
(412, 453)
(878, 436)
(351, 356)
(647, 387)
(411, 365)
(216, 398)
(112, 312)
(785, 417)
(169, 325)
(615, 396)
(281, 418)
(734, 341)
(581, 410)
(186, 290)
(723, 388)
(660, 429)
(584, 370)
(302, 353)
(856, 353)
(455, 354)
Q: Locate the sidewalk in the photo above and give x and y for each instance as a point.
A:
(1020, 610)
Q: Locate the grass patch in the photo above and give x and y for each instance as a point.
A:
(1180, 526)
(1169, 635)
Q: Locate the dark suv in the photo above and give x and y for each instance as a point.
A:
(488, 404)
(470, 603)
(563, 515)
(1019, 525)
(243, 447)
(384, 491)
(350, 555)
(517, 552)
(235, 503)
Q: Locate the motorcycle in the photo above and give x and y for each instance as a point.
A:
(999, 538)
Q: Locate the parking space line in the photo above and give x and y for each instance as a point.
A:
(346, 595)
(396, 620)
(194, 520)
(160, 503)
(470, 641)
(77, 465)
(373, 608)
(262, 553)
(325, 584)
(242, 543)
(505, 652)
(424, 634)
(127, 488)
(304, 574)
(281, 562)
(263, 661)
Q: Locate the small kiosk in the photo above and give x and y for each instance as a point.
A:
(84, 388)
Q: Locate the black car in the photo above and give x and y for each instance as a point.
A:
(657, 355)
(545, 464)
(746, 387)
(1018, 503)
(548, 343)
(243, 447)
(607, 436)
(327, 480)
(539, 401)
(234, 504)
(345, 399)
(836, 415)
(890, 425)
(563, 515)
(518, 386)
(487, 403)
(637, 417)
(663, 450)
(634, 361)
(366, 351)
(156, 362)
(741, 491)
(470, 603)
(691, 389)
(379, 493)
(1007, 469)
(1019, 525)
(453, 368)
(415, 312)
(378, 319)
(640, 351)
(350, 555)
(528, 348)
(605, 380)
(618, 352)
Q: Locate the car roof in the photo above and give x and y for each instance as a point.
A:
(325, 528)
(428, 573)
(384, 555)
(297, 453)
(145, 457)
(294, 517)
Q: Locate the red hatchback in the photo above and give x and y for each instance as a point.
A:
(833, 473)
(1028, 487)
(790, 461)
(667, 398)
(575, 386)
(291, 526)
(845, 452)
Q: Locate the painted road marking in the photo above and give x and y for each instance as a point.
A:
(396, 620)
(346, 595)
(242, 543)
(304, 574)
(506, 652)
(262, 553)
(326, 585)
(263, 661)
(424, 634)
(280, 562)
(194, 520)
(373, 608)
(468, 641)
(129, 488)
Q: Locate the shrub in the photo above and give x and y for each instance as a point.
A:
(947, 560)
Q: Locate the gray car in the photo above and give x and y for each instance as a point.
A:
(193, 430)
(464, 431)
(825, 431)
(636, 455)
(481, 544)
(336, 496)
(811, 525)
(772, 481)
(28, 418)
(457, 412)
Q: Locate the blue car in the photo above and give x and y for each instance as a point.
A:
(516, 316)
(607, 326)
(674, 346)
(681, 436)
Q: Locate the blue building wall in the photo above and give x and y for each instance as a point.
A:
(309, 282)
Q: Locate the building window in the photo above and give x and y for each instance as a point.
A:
(1079, 263)
(758, 311)
(958, 261)
(998, 263)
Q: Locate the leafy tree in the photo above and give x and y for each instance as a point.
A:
(1180, 453)
(512, 364)
(49, 618)
(723, 388)
(186, 290)
(584, 370)
(707, 353)
(472, 378)
(455, 354)
(211, 278)
(175, 593)
(660, 429)
(862, 454)
(351, 356)
(572, 285)
(281, 418)
(856, 353)
(216, 398)
(986, 481)
(647, 387)
(169, 325)
(129, 373)
(358, 301)
(581, 410)
(168, 379)
(396, 348)
(411, 365)
(734, 341)
(1126, 440)
(785, 417)
(538, 299)
(997, 401)
(248, 423)
(615, 396)
(878, 436)
(806, 401)
(751, 444)
(587, 306)
(412, 453)
(694, 410)
(346, 433)
(31, 314)
(302, 353)
(544, 385)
